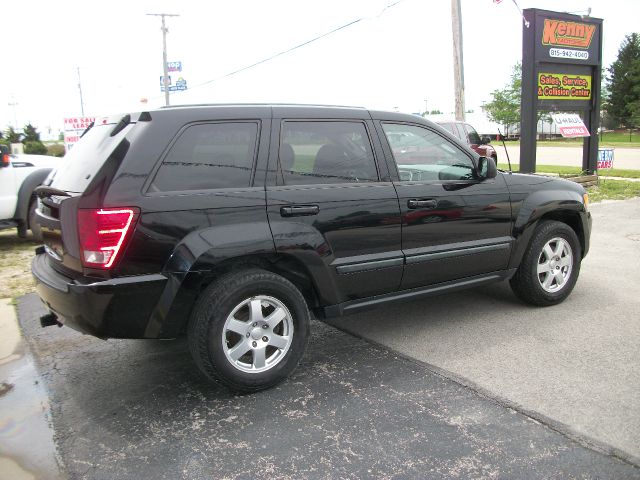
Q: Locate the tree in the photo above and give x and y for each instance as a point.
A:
(12, 135)
(31, 140)
(504, 108)
(623, 83)
(30, 134)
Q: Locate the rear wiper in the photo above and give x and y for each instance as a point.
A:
(44, 191)
(124, 121)
(87, 129)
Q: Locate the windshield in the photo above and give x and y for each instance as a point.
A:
(83, 161)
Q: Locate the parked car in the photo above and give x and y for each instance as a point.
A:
(232, 223)
(19, 176)
(469, 135)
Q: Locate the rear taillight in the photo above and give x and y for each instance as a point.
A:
(104, 233)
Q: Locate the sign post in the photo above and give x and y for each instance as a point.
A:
(561, 65)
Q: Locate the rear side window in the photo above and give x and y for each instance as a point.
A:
(209, 156)
(326, 152)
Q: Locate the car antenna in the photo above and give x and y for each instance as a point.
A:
(505, 149)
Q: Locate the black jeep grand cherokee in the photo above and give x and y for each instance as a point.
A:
(231, 223)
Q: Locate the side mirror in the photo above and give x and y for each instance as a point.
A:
(486, 140)
(487, 168)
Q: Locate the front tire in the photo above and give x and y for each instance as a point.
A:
(249, 330)
(550, 267)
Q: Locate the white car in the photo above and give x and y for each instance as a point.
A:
(19, 176)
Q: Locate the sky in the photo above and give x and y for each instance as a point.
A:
(395, 58)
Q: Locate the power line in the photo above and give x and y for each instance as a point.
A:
(289, 50)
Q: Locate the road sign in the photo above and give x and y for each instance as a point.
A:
(175, 88)
(181, 84)
(174, 66)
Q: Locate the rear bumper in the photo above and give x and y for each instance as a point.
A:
(116, 308)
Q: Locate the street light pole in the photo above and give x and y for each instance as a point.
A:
(165, 69)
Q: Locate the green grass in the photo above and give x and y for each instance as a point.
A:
(613, 190)
(565, 170)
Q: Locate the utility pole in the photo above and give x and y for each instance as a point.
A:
(14, 104)
(165, 70)
(458, 63)
(80, 90)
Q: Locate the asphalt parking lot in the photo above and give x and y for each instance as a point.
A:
(471, 385)
(575, 366)
(139, 409)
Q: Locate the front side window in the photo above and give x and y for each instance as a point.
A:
(326, 152)
(423, 155)
(209, 156)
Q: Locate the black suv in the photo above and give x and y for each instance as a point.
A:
(232, 223)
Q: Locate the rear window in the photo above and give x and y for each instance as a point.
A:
(82, 162)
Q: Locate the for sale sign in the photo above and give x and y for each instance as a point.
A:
(73, 128)
(570, 125)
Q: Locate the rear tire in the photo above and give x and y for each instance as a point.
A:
(550, 267)
(249, 330)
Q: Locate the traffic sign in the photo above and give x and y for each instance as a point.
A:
(174, 66)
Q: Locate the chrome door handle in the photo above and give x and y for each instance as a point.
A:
(415, 203)
(299, 210)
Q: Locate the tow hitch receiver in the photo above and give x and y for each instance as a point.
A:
(49, 320)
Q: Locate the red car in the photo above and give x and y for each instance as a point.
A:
(468, 135)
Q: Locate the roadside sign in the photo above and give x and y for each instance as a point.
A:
(162, 80)
(180, 86)
(174, 66)
(605, 158)
(570, 125)
(561, 72)
(73, 128)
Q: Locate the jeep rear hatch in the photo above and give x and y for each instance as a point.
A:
(60, 211)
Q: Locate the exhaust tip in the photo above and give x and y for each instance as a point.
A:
(49, 320)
